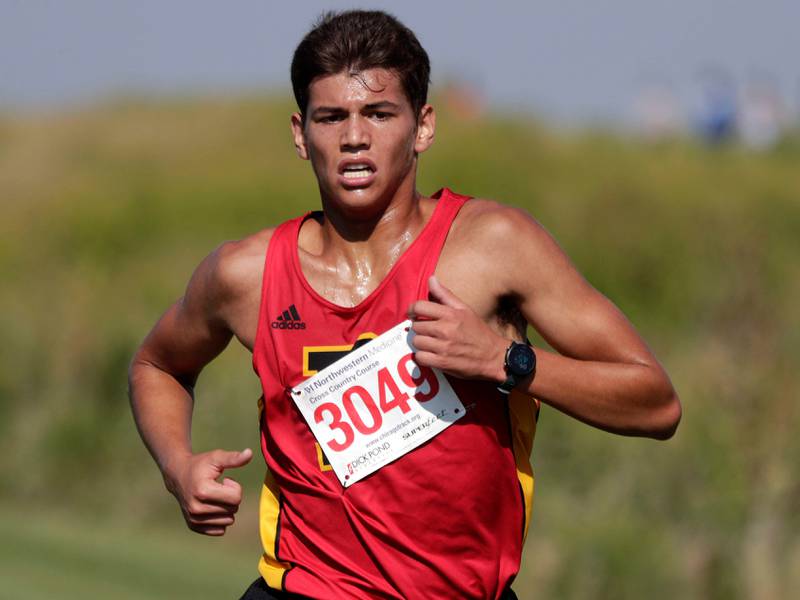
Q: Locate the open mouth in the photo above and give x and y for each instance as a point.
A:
(357, 172)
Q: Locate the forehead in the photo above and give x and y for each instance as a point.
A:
(356, 88)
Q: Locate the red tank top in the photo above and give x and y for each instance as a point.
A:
(446, 520)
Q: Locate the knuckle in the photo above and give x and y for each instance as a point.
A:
(430, 360)
(215, 457)
(434, 330)
(203, 492)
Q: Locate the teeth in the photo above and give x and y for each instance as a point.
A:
(356, 174)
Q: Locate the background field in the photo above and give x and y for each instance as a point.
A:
(106, 211)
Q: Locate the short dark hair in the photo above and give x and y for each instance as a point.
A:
(357, 40)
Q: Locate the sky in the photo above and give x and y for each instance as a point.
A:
(568, 61)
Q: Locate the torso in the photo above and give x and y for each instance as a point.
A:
(322, 539)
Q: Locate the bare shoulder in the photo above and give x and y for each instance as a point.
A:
(237, 264)
(493, 226)
(229, 275)
(504, 247)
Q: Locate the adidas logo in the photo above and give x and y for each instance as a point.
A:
(290, 319)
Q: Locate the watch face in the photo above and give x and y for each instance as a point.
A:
(521, 360)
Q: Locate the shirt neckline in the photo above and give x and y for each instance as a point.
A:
(384, 282)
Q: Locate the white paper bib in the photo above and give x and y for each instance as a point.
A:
(376, 404)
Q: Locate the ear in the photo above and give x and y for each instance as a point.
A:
(426, 128)
(298, 132)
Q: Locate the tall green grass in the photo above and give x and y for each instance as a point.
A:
(106, 211)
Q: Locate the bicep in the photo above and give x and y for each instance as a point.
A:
(571, 315)
(191, 333)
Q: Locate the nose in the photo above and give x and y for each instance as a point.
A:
(355, 135)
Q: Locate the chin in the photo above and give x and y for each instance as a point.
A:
(360, 202)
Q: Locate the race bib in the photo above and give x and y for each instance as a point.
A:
(376, 404)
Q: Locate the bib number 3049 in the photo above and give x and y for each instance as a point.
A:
(362, 411)
(376, 404)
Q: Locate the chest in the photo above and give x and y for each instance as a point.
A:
(464, 271)
(463, 267)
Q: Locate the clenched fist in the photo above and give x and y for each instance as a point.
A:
(208, 505)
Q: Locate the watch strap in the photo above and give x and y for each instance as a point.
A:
(512, 379)
(509, 384)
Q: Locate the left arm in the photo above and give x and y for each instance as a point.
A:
(602, 374)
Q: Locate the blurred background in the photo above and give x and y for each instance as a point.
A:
(658, 143)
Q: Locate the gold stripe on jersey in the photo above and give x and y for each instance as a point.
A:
(269, 509)
(522, 410)
(324, 465)
(271, 569)
(340, 350)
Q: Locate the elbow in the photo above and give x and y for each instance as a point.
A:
(133, 368)
(667, 418)
(138, 367)
(145, 371)
(140, 370)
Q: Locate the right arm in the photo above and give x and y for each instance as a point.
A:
(162, 376)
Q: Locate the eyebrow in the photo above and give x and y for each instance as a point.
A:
(328, 109)
(383, 104)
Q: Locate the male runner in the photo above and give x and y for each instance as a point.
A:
(448, 518)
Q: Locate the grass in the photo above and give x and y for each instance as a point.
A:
(76, 558)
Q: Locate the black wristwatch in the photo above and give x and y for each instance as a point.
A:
(520, 362)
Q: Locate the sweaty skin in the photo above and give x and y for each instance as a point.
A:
(498, 271)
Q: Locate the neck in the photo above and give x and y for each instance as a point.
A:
(345, 256)
(374, 233)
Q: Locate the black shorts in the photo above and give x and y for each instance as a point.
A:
(260, 591)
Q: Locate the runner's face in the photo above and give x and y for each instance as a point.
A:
(362, 138)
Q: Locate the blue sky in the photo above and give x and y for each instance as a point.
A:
(568, 60)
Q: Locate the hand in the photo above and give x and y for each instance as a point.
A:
(451, 337)
(208, 505)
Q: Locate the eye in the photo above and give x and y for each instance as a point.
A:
(334, 118)
(381, 116)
